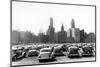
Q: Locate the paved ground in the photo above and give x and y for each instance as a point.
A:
(34, 60)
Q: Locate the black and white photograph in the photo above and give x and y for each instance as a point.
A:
(52, 33)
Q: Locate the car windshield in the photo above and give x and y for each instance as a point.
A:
(86, 49)
(73, 50)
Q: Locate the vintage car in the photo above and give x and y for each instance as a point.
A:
(58, 50)
(63, 47)
(17, 54)
(38, 47)
(32, 53)
(46, 54)
(14, 55)
(73, 51)
(87, 51)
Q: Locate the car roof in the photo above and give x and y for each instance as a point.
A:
(73, 47)
(86, 46)
(32, 50)
(15, 48)
(45, 49)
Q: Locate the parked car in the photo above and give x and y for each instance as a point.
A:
(46, 54)
(87, 51)
(14, 55)
(58, 51)
(73, 51)
(38, 47)
(32, 53)
(17, 54)
(63, 47)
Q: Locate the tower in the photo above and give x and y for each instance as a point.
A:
(50, 31)
(51, 22)
(72, 23)
(62, 35)
(74, 32)
(62, 28)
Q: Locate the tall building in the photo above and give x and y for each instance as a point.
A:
(62, 35)
(69, 33)
(83, 35)
(90, 38)
(73, 24)
(74, 32)
(50, 31)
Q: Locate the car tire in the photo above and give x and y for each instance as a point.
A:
(40, 60)
(14, 59)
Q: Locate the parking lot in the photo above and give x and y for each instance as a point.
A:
(59, 59)
(34, 60)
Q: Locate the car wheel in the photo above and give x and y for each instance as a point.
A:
(14, 59)
(40, 60)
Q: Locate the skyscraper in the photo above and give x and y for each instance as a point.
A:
(62, 28)
(74, 32)
(72, 23)
(50, 31)
(62, 35)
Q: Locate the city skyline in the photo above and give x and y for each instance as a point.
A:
(36, 19)
(74, 34)
(45, 31)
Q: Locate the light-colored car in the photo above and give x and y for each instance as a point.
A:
(46, 54)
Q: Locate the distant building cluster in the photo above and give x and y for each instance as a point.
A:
(73, 35)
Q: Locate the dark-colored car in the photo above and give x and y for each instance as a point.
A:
(73, 51)
(14, 55)
(87, 51)
(32, 53)
(17, 54)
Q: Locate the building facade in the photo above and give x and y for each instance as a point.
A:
(74, 32)
(51, 32)
(62, 35)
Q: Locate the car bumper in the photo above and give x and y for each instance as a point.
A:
(87, 54)
(46, 58)
(72, 55)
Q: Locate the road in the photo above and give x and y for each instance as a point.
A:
(60, 59)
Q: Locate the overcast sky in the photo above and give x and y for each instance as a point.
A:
(35, 17)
